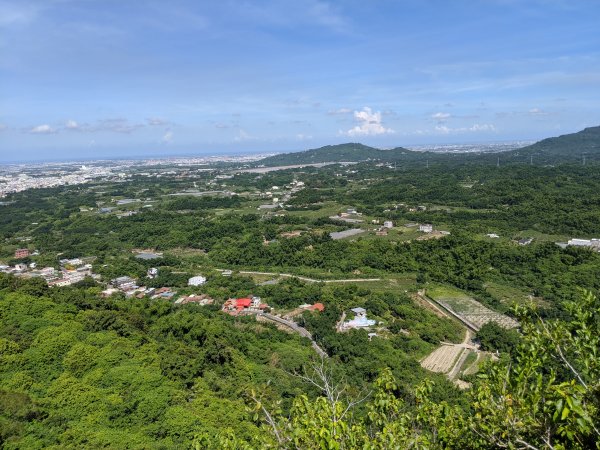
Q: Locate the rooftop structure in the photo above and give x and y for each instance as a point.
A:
(426, 227)
(198, 280)
(236, 306)
(201, 300)
(314, 307)
(148, 255)
(346, 233)
(21, 253)
(591, 243)
(360, 320)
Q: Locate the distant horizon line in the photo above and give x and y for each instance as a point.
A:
(241, 153)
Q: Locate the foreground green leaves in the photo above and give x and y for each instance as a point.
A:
(544, 397)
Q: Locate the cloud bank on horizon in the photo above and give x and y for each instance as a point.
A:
(83, 78)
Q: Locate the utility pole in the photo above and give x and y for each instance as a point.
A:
(427, 165)
(584, 159)
(498, 162)
(531, 160)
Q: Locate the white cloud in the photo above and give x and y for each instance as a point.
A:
(443, 129)
(17, 13)
(3, 127)
(324, 14)
(167, 137)
(369, 124)
(157, 121)
(537, 112)
(335, 112)
(303, 137)
(441, 116)
(117, 125)
(71, 125)
(42, 129)
(483, 127)
(242, 136)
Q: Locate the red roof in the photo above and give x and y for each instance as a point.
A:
(243, 302)
(318, 307)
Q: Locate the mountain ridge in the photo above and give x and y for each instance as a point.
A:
(565, 148)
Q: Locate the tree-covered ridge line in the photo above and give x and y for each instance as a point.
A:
(566, 148)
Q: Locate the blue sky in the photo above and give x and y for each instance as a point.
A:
(88, 78)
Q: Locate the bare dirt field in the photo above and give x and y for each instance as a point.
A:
(442, 359)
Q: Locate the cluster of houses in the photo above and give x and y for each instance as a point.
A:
(71, 270)
(246, 305)
(350, 216)
(279, 197)
(201, 300)
(383, 230)
(129, 286)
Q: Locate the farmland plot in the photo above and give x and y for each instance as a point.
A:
(442, 359)
(470, 309)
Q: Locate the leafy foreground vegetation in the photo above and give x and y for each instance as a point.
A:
(79, 372)
(544, 396)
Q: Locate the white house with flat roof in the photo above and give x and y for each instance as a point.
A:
(198, 280)
(426, 227)
(360, 320)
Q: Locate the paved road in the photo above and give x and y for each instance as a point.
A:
(309, 280)
(296, 328)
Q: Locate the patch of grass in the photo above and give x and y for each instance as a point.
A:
(468, 363)
(444, 291)
(507, 294)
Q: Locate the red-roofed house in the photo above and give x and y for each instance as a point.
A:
(21, 253)
(235, 306)
(318, 307)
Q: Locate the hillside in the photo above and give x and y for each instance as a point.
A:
(568, 148)
(336, 153)
(565, 148)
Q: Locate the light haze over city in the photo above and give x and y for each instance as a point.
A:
(83, 79)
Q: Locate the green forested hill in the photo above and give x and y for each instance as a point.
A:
(586, 141)
(336, 153)
(568, 148)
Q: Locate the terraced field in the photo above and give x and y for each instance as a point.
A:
(469, 309)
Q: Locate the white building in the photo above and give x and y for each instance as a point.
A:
(360, 319)
(388, 224)
(197, 281)
(593, 243)
(426, 228)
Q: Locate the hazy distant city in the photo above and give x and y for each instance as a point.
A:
(35, 175)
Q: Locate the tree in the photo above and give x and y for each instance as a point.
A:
(545, 396)
(493, 337)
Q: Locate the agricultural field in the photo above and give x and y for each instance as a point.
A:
(443, 358)
(468, 308)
